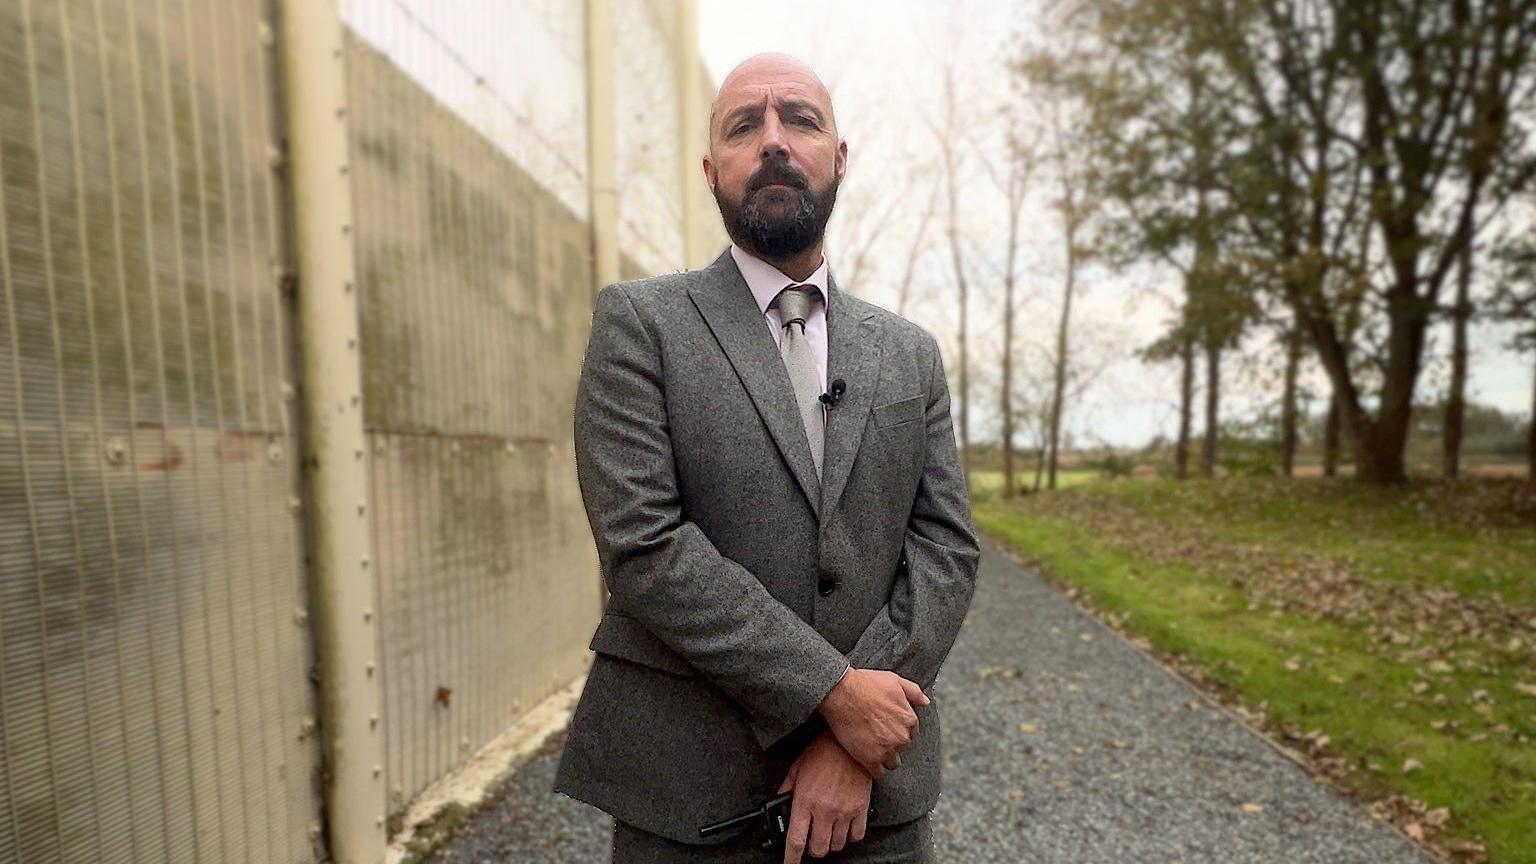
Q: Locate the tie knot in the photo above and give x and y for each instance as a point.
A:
(794, 303)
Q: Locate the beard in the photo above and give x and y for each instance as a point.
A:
(777, 223)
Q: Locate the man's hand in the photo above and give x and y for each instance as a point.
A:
(870, 713)
(831, 800)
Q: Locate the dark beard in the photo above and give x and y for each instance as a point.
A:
(783, 236)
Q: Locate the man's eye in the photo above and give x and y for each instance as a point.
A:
(741, 128)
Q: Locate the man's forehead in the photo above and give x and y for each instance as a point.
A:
(775, 76)
(777, 93)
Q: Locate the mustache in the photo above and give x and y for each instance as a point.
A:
(777, 172)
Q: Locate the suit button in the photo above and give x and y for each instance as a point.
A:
(826, 585)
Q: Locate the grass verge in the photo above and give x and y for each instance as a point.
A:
(1387, 638)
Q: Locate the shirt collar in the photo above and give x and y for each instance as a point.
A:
(766, 280)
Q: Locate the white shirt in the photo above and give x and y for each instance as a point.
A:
(766, 281)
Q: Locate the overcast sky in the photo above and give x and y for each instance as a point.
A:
(883, 61)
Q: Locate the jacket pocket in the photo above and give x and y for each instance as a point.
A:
(629, 639)
(900, 411)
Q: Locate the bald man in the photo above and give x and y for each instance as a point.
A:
(770, 472)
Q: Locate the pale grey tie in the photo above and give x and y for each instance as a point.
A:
(794, 305)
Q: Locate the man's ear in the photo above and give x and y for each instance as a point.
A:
(709, 172)
(840, 163)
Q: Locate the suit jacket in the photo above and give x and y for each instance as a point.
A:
(741, 587)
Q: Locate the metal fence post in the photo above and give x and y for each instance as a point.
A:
(602, 157)
(346, 610)
(691, 122)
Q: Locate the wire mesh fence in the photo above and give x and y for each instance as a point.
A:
(158, 696)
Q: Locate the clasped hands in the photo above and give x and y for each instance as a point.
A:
(870, 720)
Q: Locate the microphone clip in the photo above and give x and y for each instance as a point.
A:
(834, 393)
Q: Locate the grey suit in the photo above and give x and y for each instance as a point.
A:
(741, 587)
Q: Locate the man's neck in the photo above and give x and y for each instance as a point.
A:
(797, 267)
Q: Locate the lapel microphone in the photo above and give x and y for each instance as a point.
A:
(834, 394)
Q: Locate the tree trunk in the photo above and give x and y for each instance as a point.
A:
(1009, 489)
(1455, 403)
(1060, 384)
(1331, 438)
(1288, 402)
(948, 144)
(904, 292)
(960, 289)
(1016, 189)
(1378, 442)
(965, 378)
(1212, 401)
(1186, 408)
(1530, 439)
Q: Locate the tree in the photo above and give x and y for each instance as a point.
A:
(914, 249)
(1515, 301)
(1456, 400)
(1407, 118)
(1065, 154)
(949, 137)
(1019, 153)
(1178, 342)
(1154, 127)
(1414, 102)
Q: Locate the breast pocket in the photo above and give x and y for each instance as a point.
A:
(898, 412)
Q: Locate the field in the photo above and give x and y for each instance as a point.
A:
(1388, 638)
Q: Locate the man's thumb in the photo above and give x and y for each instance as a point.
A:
(915, 694)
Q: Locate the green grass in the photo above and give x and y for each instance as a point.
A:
(983, 482)
(1182, 562)
(1450, 534)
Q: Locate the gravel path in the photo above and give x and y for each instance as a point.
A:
(1089, 752)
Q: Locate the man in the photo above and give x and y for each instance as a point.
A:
(769, 468)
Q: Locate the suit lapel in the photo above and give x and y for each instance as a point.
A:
(853, 354)
(725, 301)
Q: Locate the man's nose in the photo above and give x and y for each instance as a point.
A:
(773, 146)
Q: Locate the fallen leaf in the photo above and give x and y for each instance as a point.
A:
(1253, 807)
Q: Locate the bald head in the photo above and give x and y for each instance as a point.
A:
(753, 78)
(775, 160)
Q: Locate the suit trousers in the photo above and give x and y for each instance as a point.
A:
(903, 843)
